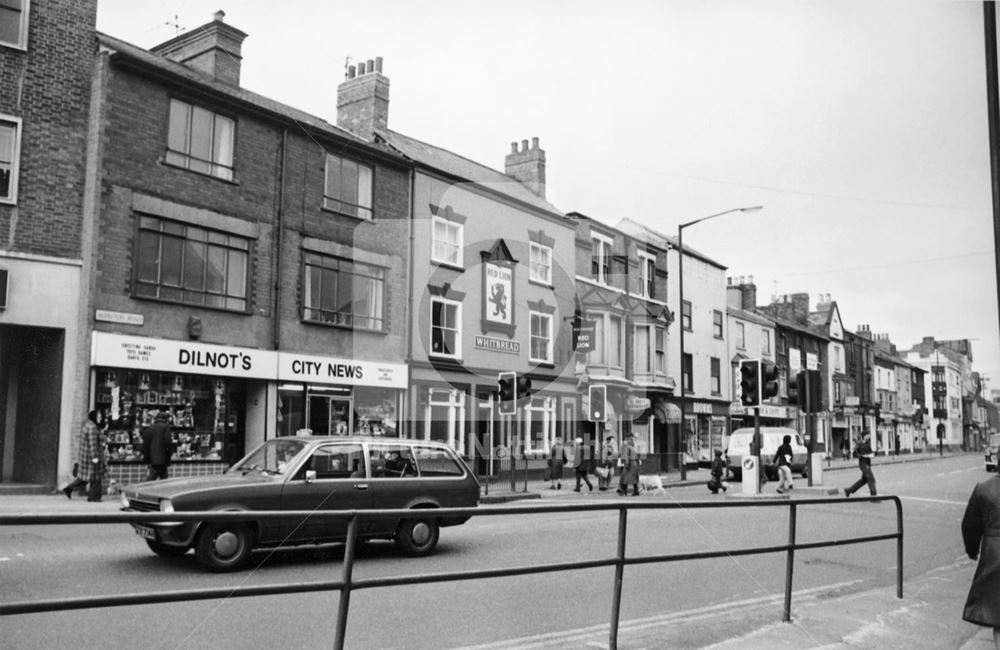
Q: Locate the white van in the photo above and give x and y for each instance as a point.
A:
(771, 437)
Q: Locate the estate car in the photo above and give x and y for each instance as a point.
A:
(308, 473)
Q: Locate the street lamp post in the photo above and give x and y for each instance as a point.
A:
(680, 293)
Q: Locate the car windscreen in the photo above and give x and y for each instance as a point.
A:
(272, 457)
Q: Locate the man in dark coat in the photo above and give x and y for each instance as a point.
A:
(981, 534)
(158, 446)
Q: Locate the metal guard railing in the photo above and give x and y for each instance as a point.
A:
(347, 583)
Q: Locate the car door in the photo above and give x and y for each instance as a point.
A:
(341, 483)
(394, 481)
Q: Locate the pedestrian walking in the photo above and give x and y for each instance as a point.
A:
(158, 446)
(580, 464)
(981, 534)
(783, 459)
(91, 460)
(606, 470)
(718, 470)
(629, 457)
(557, 459)
(864, 452)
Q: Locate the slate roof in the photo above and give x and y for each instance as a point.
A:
(463, 168)
(638, 230)
(188, 75)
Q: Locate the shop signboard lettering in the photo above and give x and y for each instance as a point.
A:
(496, 345)
(166, 355)
(329, 370)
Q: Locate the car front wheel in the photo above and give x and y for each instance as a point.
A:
(224, 546)
(165, 550)
(418, 537)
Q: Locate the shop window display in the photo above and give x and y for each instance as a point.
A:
(206, 413)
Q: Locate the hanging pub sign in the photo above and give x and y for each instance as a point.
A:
(498, 289)
(583, 335)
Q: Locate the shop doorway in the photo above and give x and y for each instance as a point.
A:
(329, 415)
(31, 378)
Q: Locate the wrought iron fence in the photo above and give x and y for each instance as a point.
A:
(346, 584)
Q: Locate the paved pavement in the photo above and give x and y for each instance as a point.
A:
(927, 617)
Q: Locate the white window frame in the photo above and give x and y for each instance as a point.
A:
(647, 273)
(22, 30)
(453, 401)
(458, 328)
(660, 350)
(543, 408)
(545, 262)
(765, 344)
(647, 352)
(539, 317)
(15, 156)
(741, 335)
(456, 247)
(601, 250)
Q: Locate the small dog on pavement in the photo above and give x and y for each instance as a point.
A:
(651, 484)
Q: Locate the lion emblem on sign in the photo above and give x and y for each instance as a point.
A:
(498, 296)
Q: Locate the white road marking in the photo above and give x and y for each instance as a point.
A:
(710, 612)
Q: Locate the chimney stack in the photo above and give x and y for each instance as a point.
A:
(363, 99)
(214, 48)
(527, 165)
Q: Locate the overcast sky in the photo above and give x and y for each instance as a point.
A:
(860, 126)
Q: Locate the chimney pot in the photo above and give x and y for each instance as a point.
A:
(534, 143)
(378, 64)
(749, 279)
(371, 66)
(351, 71)
(513, 147)
(524, 145)
(219, 15)
(361, 69)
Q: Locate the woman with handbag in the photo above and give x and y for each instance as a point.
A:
(606, 469)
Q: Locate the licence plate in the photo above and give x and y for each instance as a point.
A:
(144, 531)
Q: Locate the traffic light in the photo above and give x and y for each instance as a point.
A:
(750, 382)
(598, 395)
(507, 384)
(523, 389)
(815, 381)
(768, 380)
(797, 389)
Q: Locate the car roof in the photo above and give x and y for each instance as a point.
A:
(369, 439)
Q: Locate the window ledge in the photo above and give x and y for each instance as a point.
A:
(347, 215)
(233, 181)
(448, 265)
(340, 326)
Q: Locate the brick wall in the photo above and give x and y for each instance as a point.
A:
(48, 87)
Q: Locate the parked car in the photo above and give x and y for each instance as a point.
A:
(992, 451)
(771, 437)
(308, 473)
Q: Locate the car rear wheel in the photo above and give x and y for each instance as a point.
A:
(165, 550)
(418, 537)
(224, 546)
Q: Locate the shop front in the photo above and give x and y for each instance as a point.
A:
(209, 392)
(329, 396)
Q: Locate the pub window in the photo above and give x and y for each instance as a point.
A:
(446, 328)
(541, 263)
(446, 244)
(192, 265)
(541, 337)
(200, 140)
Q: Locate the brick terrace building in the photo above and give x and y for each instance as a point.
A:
(46, 62)
(251, 266)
